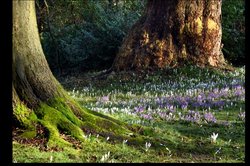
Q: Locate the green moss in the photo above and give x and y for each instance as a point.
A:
(63, 106)
(59, 115)
(59, 119)
(28, 134)
(26, 119)
(54, 135)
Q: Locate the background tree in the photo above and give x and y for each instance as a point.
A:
(89, 36)
(38, 98)
(173, 32)
(88, 33)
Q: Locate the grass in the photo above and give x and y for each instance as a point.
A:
(183, 107)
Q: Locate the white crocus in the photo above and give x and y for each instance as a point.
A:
(125, 141)
(51, 159)
(214, 137)
(147, 146)
(105, 157)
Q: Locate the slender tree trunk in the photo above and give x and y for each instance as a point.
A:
(173, 32)
(54, 41)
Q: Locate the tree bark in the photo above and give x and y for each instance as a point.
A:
(33, 81)
(173, 32)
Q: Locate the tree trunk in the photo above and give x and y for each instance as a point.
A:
(38, 97)
(173, 32)
(32, 79)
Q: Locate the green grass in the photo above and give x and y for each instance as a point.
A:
(184, 142)
(187, 143)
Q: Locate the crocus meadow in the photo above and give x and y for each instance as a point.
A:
(190, 98)
(182, 115)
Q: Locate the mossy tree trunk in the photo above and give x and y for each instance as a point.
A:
(173, 32)
(38, 98)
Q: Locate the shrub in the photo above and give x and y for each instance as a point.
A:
(90, 38)
(233, 25)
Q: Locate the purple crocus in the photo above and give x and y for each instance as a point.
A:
(139, 109)
(192, 116)
(105, 99)
(209, 117)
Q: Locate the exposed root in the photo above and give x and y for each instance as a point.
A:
(64, 123)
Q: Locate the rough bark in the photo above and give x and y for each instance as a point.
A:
(173, 32)
(32, 79)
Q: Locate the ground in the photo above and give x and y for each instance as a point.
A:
(185, 107)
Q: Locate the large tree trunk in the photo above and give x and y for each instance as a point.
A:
(32, 78)
(38, 98)
(173, 32)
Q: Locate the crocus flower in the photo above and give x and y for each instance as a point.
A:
(214, 137)
(209, 117)
(105, 99)
(105, 157)
(147, 146)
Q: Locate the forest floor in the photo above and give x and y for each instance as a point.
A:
(200, 113)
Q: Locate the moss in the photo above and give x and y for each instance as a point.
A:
(60, 115)
(59, 119)
(28, 134)
(136, 141)
(54, 136)
(62, 106)
(26, 119)
(112, 127)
